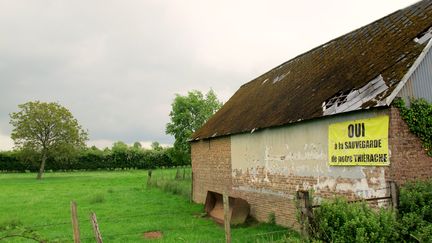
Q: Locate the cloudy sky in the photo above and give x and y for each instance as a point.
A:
(117, 65)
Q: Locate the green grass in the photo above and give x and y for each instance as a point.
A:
(125, 206)
(175, 181)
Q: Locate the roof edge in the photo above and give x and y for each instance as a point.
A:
(380, 107)
(408, 75)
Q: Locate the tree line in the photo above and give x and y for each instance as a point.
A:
(48, 137)
(120, 156)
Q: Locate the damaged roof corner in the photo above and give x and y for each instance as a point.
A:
(345, 101)
(424, 37)
(405, 78)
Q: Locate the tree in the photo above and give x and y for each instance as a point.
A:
(120, 154)
(47, 129)
(187, 115)
(119, 146)
(137, 145)
(156, 146)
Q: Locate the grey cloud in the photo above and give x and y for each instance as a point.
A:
(117, 64)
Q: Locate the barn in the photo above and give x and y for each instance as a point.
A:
(322, 121)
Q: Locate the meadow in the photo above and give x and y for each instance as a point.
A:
(126, 205)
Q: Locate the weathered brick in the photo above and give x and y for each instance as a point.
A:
(212, 171)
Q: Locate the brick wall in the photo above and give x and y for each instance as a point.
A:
(277, 194)
(264, 204)
(211, 165)
(409, 160)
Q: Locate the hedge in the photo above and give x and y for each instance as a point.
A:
(92, 159)
(340, 221)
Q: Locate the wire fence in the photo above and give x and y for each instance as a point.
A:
(265, 237)
(189, 225)
(186, 231)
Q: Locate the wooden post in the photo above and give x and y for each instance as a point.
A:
(96, 230)
(177, 177)
(75, 226)
(227, 218)
(192, 187)
(149, 176)
(301, 208)
(306, 213)
(394, 192)
(308, 206)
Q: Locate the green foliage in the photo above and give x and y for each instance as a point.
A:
(419, 119)
(121, 156)
(156, 146)
(137, 145)
(48, 129)
(340, 221)
(272, 218)
(188, 114)
(423, 234)
(10, 161)
(415, 211)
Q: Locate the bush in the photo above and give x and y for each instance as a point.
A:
(416, 197)
(415, 211)
(340, 221)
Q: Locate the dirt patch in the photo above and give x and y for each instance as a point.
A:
(152, 235)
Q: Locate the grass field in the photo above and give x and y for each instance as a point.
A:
(125, 206)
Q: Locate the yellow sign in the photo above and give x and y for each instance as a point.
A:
(359, 142)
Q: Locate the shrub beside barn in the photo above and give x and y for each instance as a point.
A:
(323, 121)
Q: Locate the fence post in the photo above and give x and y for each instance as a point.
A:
(75, 226)
(96, 230)
(394, 192)
(227, 218)
(149, 176)
(308, 207)
(192, 187)
(178, 177)
(306, 213)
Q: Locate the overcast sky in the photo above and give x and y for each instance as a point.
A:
(117, 65)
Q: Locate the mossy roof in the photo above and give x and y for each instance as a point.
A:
(298, 89)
